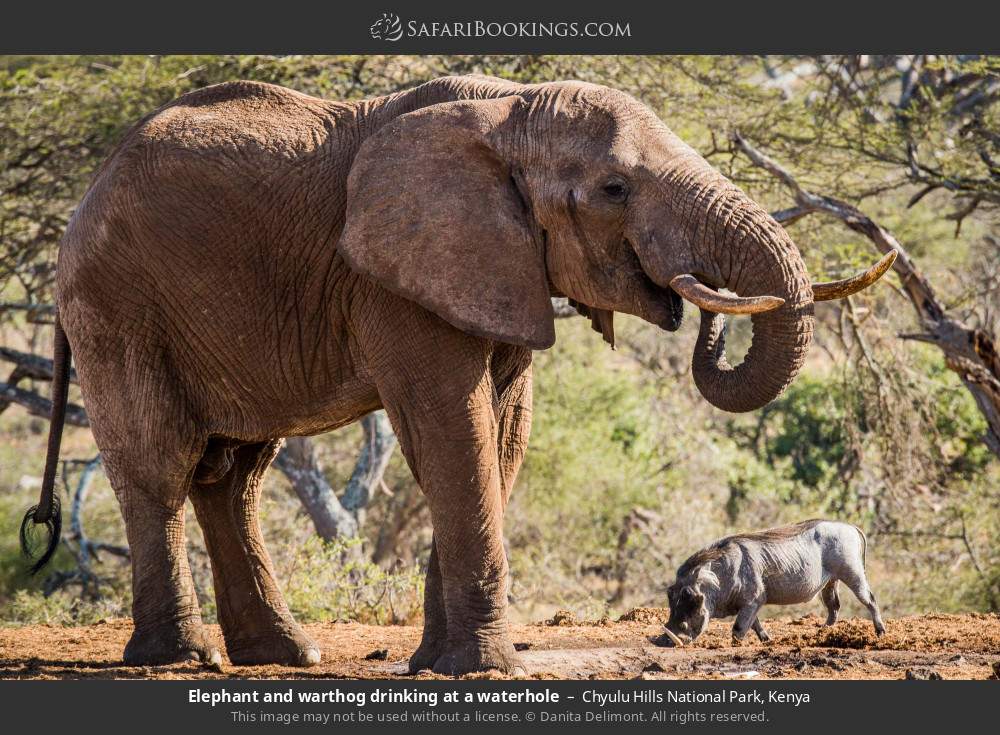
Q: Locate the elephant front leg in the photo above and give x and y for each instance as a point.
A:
(474, 572)
(435, 633)
(448, 433)
(512, 378)
(462, 483)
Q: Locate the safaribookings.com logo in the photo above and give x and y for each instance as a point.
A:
(387, 28)
(390, 28)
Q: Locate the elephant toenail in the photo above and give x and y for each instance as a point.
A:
(215, 658)
(311, 657)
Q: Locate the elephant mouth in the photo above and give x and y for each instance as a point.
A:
(669, 311)
(675, 309)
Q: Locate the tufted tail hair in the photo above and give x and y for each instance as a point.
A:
(48, 512)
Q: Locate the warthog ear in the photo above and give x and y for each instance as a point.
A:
(434, 215)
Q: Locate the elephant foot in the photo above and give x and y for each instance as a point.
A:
(428, 652)
(477, 656)
(286, 647)
(171, 643)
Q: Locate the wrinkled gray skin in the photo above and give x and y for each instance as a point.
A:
(782, 566)
(252, 263)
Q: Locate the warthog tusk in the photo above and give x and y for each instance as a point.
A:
(848, 286)
(711, 300)
(677, 641)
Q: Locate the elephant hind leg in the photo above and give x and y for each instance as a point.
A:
(165, 609)
(144, 426)
(255, 620)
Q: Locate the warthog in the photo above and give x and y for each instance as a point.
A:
(740, 574)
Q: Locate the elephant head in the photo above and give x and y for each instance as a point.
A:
(479, 210)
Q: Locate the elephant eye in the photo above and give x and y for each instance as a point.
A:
(616, 191)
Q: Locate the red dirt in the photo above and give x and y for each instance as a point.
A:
(952, 646)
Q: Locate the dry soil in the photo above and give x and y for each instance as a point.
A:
(926, 646)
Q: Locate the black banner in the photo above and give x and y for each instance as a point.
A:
(528, 706)
(452, 27)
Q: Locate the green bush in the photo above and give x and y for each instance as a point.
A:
(32, 607)
(332, 581)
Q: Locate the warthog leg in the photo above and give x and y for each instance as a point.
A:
(832, 601)
(745, 618)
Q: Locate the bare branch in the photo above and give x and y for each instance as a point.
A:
(32, 366)
(297, 461)
(376, 451)
(40, 406)
(970, 352)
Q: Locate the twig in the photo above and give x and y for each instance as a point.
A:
(84, 549)
(987, 583)
(970, 352)
(38, 405)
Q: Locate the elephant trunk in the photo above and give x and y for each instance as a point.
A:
(754, 257)
(737, 245)
(780, 343)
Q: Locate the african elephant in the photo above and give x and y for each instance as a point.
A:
(252, 263)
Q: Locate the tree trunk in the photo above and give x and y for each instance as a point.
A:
(297, 460)
(336, 517)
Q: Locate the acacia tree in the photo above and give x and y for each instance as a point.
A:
(970, 351)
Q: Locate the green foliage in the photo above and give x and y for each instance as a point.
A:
(958, 426)
(332, 581)
(592, 436)
(32, 607)
(595, 453)
(807, 429)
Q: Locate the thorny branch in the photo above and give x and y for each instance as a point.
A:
(970, 352)
(84, 549)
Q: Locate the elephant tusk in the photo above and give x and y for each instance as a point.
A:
(677, 641)
(848, 286)
(709, 299)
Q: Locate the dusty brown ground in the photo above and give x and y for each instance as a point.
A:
(952, 646)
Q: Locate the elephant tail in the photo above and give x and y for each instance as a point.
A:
(48, 512)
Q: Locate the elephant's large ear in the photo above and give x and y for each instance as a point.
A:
(434, 214)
